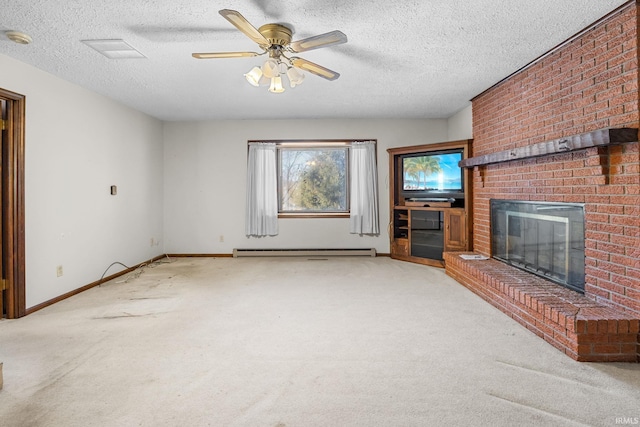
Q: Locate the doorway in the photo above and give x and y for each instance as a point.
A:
(12, 247)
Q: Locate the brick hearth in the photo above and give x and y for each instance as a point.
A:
(582, 328)
(587, 84)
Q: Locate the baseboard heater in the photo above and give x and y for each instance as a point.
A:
(303, 252)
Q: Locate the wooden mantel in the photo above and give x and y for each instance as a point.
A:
(597, 138)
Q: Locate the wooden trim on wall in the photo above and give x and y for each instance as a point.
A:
(13, 181)
(91, 285)
(200, 255)
(449, 145)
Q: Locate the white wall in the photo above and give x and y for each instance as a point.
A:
(179, 183)
(460, 125)
(205, 175)
(78, 144)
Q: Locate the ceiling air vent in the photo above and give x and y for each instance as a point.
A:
(114, 49)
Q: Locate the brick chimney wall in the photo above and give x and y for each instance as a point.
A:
(589, 83)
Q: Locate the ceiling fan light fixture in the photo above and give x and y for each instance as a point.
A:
(275, 40)
(254, 76)
(276, 85)
(295, 77)
(270, 68)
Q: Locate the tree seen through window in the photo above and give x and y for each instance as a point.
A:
(313, 179)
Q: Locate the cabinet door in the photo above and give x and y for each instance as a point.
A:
(400, 247)
(455, 235)
(426, 234)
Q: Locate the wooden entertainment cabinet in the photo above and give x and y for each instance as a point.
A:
(422, 228)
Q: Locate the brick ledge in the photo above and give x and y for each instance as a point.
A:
(582, 328)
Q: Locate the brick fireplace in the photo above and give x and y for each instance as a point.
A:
(587, 85)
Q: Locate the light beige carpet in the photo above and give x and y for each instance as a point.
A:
(295, 342)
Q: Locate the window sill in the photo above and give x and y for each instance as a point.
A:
(314, 215)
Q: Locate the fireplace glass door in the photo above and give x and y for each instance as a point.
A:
(543, 238)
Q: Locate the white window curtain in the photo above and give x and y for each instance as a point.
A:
(364, 189)
(262, 191)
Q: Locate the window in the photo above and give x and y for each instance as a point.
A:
(313, 178)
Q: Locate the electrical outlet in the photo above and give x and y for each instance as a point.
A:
(59, 271)
(221, 238)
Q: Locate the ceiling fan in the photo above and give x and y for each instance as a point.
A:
(275, 40)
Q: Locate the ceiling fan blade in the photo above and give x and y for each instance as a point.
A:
(316, 42)
(243, 25)
(211, 55)
(314, 68)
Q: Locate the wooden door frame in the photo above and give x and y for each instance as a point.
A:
(13, 218)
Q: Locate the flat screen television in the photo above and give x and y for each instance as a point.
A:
(433, 174)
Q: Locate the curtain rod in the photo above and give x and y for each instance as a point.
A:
(305, 141)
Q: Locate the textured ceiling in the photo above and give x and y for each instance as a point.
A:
(404, 59)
